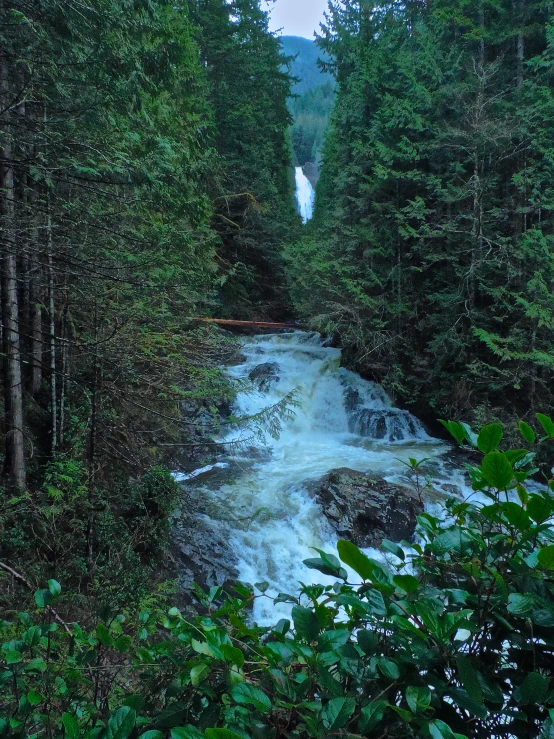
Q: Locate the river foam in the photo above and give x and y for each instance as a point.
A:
(337, 420)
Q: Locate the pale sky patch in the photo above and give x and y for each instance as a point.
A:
(296, 17)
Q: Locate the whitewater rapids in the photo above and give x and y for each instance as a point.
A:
(260, 502)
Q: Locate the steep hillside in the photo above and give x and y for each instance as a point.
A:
(315, 92)
(305, 66)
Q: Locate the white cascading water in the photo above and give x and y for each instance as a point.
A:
(341, 420)
(305, 195)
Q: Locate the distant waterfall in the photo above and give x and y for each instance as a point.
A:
(305, 195)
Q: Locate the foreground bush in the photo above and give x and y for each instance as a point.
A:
(456, 642)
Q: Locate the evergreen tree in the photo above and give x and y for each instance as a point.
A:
(253, 192)
(429, 250)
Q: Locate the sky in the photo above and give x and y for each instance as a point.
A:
(297, 17)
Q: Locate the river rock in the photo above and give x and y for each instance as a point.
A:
(365, 508)
(265, 375)
(200, 549)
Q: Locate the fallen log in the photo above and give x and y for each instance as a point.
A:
(248, 324)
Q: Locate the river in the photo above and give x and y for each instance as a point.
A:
(257, 495)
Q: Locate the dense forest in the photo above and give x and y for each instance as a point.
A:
(139, 186)
(430, 254)
(146, 184)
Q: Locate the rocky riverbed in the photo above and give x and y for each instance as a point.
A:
(331, 463)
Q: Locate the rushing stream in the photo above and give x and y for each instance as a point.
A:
(257, 494)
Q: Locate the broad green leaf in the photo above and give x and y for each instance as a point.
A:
(516, 515)
(198, 674)
(171, 716)
(247, 693)
(440, 730)
(34, 698)
(123, 643)
(43, 598)
(408, 583)
(353, 557)
(497, 470)
(233, 654)
(527, 432)
(462, 698)
(520, 605)
(305, 623)
(331, 640)
(547, 424)
(337, 712)
(121, 724)
(546, 557)
(393, 548)
(152, 734)
(388, 668)
(371, 716)
(490, 438)
(202, 648)
(13, 657)
(221, 734)
(375, 602)
(318, 563)
(367, 640)
(417, 698)
(54, 587)
(71, 726)
(185, 732)
(539, 508)
(469, 678)
(534, 688)
(456, 430)
(522, 494)
(103, 635)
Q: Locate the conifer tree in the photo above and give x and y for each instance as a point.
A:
(429, 250)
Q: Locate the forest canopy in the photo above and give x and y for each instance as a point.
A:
(430, 253)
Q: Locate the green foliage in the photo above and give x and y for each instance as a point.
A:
(253, 189)
(128, 147)
(430, 252)
(313, 97)
(457, 642)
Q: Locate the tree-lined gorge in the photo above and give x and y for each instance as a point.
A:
(147, 154)
(430, 253)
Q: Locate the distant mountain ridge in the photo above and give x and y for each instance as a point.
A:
(305, 66)
(311, 107)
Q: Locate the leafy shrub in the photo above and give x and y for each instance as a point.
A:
(454, 641)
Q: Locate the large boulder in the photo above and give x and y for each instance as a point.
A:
(365, 508)
(265, 375)
(201, 550)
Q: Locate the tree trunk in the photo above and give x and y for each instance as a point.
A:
(520, 41)
(35, 298)
(13, 390)
(52, 316)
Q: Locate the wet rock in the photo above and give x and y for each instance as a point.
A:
(390, 424)
(200, 550)
(265, 375)
(365, 508)
(352, 399)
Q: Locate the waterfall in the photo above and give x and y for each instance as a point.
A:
(257, 498)
(305, 195)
